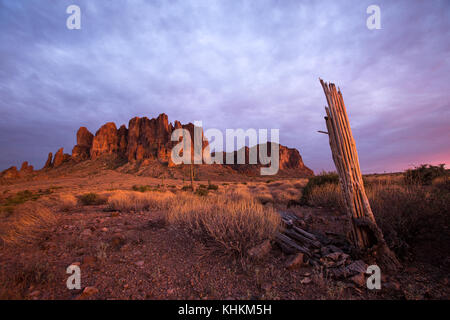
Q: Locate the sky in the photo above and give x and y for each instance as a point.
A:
(230, 64)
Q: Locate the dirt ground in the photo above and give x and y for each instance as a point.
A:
(139, 256)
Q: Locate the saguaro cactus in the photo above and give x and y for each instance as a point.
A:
(365, 233)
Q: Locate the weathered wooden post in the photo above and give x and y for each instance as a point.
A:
(365, 233)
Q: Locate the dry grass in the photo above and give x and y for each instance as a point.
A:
(15, 282)
(138, 201)
(28, 220)
(407, 214)
(235, 223)
(92, 198)
(67, 202)
(285, 195)
(411, 214)
(327, 195)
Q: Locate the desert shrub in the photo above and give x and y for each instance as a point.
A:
(383, 179)
(408, 214)
(319, 180)
(237, 194)
(424, 174)
(203, 192)
(411, 214)
(146, 188)
(27, 222)
(264, 197)
(213, 187)
(186, 188)
(442, 184)
(137, 201)
(91, 198)
(285, 194)
(327, 195)
(233, 225)
(67, 202)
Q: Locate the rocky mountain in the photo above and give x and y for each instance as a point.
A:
(143, 142)
(290, 160)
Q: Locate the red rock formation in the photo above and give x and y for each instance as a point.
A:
(289, 161)
(82, 150)
(122, 134)
(59, 158)
(48, 163)
(84, 137)
(26, 169)
(148, 138)
(10, 173)
(106, 141)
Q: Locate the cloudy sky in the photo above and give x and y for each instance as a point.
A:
(231, 64)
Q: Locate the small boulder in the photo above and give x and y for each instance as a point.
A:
(117, 240)
(295, 262)
(88, 292)
(305, 281)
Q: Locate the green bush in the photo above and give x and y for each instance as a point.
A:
(186, 188)
(319, 180)
(424, 174)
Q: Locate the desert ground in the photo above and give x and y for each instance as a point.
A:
(141, 237)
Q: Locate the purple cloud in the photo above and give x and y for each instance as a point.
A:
(231, 64)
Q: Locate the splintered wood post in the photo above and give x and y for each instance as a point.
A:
(365, 233)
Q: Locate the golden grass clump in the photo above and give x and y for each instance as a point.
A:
(284, 195)
(239, 193)
(25, 224)
(138, 201)
(234, 224)
(67, 201)
(327, 195)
